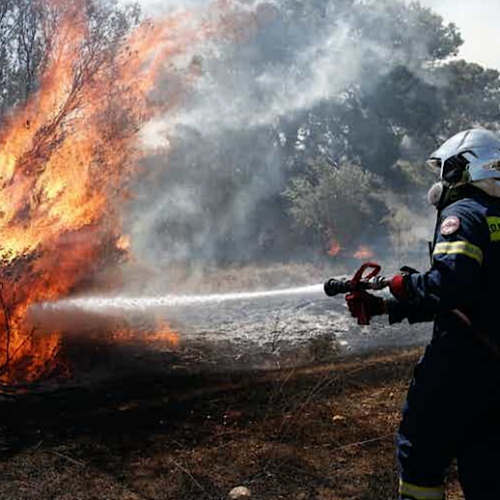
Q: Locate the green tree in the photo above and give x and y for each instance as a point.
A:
(470, 96)
(340, 203)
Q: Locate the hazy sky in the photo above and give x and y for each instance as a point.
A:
(478, 22)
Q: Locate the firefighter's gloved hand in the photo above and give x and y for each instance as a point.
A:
(363, 306)
(397, 286)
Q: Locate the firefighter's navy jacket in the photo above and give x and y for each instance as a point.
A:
(453, 405)
(465, 272)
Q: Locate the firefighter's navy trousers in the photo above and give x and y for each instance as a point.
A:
(452, 411)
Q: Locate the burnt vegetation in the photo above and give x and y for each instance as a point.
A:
(308, 434)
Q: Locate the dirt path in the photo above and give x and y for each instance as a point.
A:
(322, 433)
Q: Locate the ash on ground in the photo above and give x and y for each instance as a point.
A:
(312, 327)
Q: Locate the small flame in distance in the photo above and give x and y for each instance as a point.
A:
(335, 248)
(363, 253)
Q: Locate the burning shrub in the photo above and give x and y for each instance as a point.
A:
(68, 153)
(65, 159)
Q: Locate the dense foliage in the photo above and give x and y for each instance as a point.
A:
(412, 95)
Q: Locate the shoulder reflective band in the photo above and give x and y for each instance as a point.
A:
(494, 227)
(460, 248)
(414, 492)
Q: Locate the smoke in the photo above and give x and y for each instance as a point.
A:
(254, 87)
(215, 196)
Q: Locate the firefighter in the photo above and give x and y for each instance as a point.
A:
(452, 410)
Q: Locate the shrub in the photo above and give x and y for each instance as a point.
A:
(340, 202)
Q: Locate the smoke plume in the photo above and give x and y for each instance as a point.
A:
(214, 189)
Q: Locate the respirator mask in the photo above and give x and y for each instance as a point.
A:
(438, 195)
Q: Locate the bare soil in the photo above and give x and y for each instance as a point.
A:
(314, 433)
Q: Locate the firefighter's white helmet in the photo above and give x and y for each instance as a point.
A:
(472, 156)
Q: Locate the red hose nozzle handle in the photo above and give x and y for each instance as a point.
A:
(364, 318)
(360, 273)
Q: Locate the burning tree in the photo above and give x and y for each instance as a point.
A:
(69, 150)
(65, 158)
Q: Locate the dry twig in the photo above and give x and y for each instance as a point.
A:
(363, 443)
(69, 459)
(188, 473)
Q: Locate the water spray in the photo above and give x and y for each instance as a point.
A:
(117, 303)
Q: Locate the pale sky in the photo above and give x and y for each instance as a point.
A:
(478, 21)
(479, 24)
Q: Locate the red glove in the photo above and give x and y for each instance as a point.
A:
(397, 286)
(363, 306)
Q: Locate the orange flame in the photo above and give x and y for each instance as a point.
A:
(161, 335)
(164, 335)
(335, 248)
(66, 158)
(123, 243)
(364, 253)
